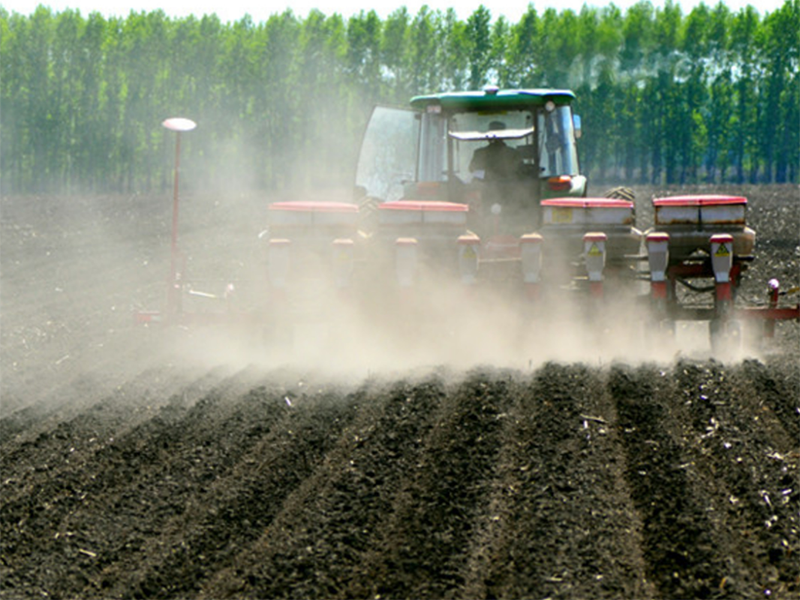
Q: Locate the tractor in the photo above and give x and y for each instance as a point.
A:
(476, 199)
(497, 152)
(483, 189)
(463, 188)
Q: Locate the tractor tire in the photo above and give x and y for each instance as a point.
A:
(620, 193)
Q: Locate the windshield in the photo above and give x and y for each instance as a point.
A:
(558, 154)
(388, 153)
(544, 137)
(402, 146)
(471, 131)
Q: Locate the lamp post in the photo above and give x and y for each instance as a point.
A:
(178, 125)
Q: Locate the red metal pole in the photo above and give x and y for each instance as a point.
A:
(173, 300)
(178, 125)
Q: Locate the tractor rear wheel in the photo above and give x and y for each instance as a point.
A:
(620, 193)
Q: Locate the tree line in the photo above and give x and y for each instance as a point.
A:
(665, 97)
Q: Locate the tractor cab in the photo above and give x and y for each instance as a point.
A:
(500, 152)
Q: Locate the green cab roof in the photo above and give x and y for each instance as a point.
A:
(492, 99)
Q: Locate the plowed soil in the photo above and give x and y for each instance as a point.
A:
(143, 463)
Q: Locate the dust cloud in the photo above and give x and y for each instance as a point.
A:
(377, 328)
(75, 269)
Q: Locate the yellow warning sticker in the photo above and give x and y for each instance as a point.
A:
(469, 253)
(561, 214)
(722, 250)
(594, 251)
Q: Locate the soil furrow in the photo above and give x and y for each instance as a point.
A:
(325, 533)
(105, 503)
(560, 500)
(766, 471)
(241, 505)
(687, 554)
(434, 519)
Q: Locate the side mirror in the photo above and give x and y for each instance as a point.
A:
(576, 123)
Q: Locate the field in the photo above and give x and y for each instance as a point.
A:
(138, 463)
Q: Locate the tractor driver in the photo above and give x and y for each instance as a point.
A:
(497, 160)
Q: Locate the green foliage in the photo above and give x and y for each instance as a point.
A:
(664, 97)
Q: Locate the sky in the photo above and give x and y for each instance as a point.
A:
(260, 10)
